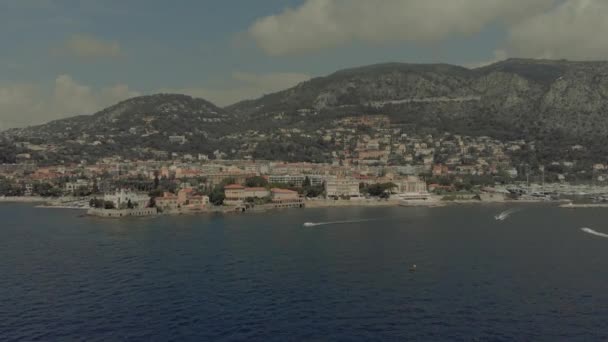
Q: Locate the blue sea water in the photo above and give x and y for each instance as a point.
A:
(264, 277)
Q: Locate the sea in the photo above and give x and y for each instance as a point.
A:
(336, 274)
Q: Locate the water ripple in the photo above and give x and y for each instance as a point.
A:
(68, 278)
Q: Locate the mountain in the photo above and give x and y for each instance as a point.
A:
(556, 103)
(166, 113)
(517, 96)
(134, 125)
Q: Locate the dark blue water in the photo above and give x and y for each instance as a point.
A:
(264, 277)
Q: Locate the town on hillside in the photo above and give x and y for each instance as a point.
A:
(371, 162)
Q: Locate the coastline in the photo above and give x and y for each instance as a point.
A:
(46, 202)
(23, 199)
(583, 205)
(51, 206)
(68, 203)
(347, 203)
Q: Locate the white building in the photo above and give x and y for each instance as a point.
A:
(29, 189)
(296, 179)
(121, 199)
(512, 172)
(411, 189)
(411, 184)
(80, 183)
(342, 187)
(236, 193)
(177, 139)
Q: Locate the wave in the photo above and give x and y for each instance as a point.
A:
(593, 232)
(316, 224)
(505, 214)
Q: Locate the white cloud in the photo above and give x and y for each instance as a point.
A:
(576, 29)
(23, 104)
(88, 47)
(244, 85)
(319, 24)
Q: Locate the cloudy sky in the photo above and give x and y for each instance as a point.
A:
(66, 57)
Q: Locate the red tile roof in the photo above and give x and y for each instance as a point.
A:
(283, 191)
(234, 187)
(255, 189)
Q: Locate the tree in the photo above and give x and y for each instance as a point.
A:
(227, 181)
(314, 191)
(155, 193)
(96, 203)
(129, 204)
(9, 188)
(156, 182)
(108, 205)
(82, 191)
(217, 196)
(95, 189)
(256, 181)
(381, 190)
(307, 183)
(46, 190)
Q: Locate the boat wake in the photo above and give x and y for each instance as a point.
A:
(593, 232)
(316, 224)
(505, 214)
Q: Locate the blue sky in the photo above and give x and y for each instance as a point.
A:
(185, 43)
(67, 57)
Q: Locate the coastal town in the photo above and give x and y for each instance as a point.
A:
(372, 163)
(115, 188)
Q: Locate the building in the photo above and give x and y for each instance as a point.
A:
(411, 189)
(28, 189)
(440, 170)
(123, 197)
(284, 195)
(235, 193)
(373, 145)
(183, 195)
(411, 184)
(187, 173)
(216, 178)
(256, 192)
(512, 172)
(315, 180)
(177, 139)
(342, 187)
(186, 197)
(372, 154)
(283, 198)
(80, 183)
(118, 213)
(492, 196)
(197, 202)
(167, 202)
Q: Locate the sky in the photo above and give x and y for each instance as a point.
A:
(60, 58)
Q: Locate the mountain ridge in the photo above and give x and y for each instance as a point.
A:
(555, 102)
